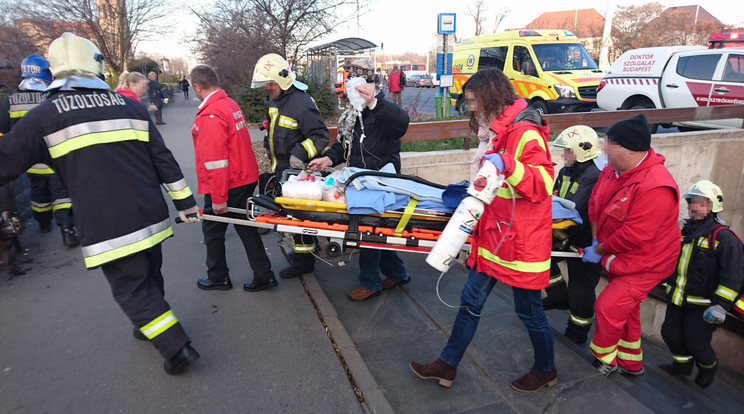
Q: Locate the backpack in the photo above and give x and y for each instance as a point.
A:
(402, 79)
(738, 309)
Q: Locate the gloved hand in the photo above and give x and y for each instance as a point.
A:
(590, 256)
(296, 163)
(496, 160)
(193, 212)
(714, 314)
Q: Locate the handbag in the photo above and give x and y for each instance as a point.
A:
(152, 108)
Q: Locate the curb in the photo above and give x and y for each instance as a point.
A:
(374, 397)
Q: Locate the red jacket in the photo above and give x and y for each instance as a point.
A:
(394, 81)
(523, 255)
(222, 147)
(636, 218)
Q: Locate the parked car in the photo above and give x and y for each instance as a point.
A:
(419, 81)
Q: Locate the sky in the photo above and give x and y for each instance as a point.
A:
(407, 25)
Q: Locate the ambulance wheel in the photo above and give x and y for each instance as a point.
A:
(652, 128)
(540, 106)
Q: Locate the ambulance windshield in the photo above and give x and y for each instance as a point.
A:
(564, 56)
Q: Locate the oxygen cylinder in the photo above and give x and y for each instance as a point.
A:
(455, 234)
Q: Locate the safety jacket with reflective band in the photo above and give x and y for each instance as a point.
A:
(112, 161)
(12, 109)
(523, 259)
(575, 183)
(222, 148)
(707, 275)
(636, 217)
(295, 128)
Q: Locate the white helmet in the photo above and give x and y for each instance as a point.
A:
(70, 52)
(272, 67)
(707, 189)
(581, 140)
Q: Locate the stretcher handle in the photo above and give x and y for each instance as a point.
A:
(393, 175)
(193, 215)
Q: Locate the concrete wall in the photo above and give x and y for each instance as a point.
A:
(692, 156)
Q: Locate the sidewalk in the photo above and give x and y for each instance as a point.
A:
(67, 347)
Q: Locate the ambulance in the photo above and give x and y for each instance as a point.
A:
(550, 68)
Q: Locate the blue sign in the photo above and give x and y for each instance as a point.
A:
(446, 23)
(441, 70)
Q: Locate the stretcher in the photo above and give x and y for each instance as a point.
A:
(412, 230)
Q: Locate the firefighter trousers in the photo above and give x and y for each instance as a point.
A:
(49, 199)
(688, 336)
(578, 293)
(214, 239)
(617, 334)
(137, 286)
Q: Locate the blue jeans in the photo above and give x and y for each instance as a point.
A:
(527, 304)
(373, 261)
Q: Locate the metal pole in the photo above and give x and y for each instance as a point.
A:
(444, 71)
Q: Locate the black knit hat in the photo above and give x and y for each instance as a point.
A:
(631, 133)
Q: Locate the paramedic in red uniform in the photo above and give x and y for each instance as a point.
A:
(633, 211)
(227, 171)
(512, 240)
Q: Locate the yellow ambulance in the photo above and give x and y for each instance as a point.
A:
(550, 68)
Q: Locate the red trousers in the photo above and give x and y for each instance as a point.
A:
(617, 333)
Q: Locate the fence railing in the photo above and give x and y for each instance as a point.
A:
(420, 131)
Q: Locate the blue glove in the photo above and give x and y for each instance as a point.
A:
(590, 256)
(496, 160)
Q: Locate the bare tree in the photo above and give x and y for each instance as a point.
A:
(477, 10)
(629, 21)
(15, 45)
(499, 17)
(116, 26)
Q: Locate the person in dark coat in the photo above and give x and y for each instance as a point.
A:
(157, 97)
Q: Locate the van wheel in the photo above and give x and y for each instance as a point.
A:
(540, 106)
(462, 107)
(652, 128)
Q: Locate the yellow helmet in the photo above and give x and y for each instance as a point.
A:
(581, 140)
(70, 52)
(272, 67)
(707, 189)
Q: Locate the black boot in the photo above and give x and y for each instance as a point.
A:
(705, 376)
(676, 368)
(69, 236)
(181, 361)
(576, 333)
(296, 270)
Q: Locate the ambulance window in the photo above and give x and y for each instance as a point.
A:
(734, 70)
(522, 61)
(698, 67)
(492, 57)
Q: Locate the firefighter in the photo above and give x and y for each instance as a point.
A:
(296, 134)
(582, 165)
(704, 285)
(113, 161)
(49, 197)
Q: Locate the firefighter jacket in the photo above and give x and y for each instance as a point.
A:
(112, 161)
(295, 128)
(222, 147)
(575, 183)
(706, 275)
(12, 109)
(384, 126)
(636, 218)
(512, 240)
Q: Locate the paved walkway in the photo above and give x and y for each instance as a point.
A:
(66, 346)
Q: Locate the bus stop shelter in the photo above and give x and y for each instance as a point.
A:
(326, 58)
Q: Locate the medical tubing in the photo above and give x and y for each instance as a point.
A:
(393, 175)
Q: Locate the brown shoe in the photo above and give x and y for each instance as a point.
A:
(438, 369)
(535, 380)
(361, 293)
(389, 284)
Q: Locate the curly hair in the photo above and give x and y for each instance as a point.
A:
(492, 92)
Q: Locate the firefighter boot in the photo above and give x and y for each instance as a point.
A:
(69, 236)
(706, 375)
(677, 368)
(577, 333)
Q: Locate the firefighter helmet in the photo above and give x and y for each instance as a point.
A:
(70, 52)
(707, 189)
(581, 140)
(273, 68)
(35, 66)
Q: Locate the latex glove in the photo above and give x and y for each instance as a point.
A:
(714, 314)
(590, 256)
(496, 160)
(319, 164)
(190, 215)
(296, 163)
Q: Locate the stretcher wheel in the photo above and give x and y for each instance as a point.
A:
(333, 249)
